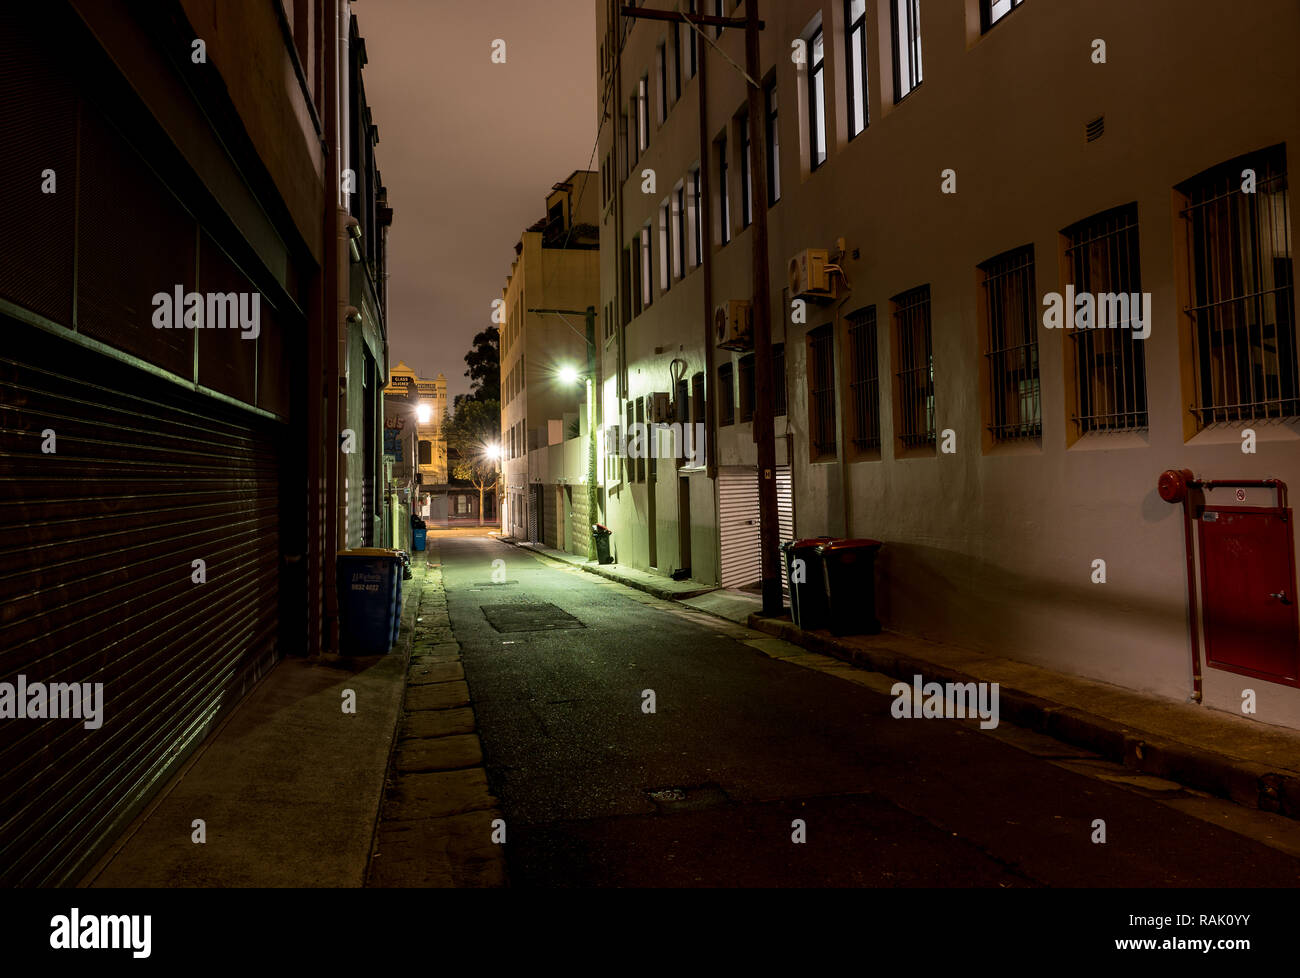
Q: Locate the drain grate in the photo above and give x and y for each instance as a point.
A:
(540, 616)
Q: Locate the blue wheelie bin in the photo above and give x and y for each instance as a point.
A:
(418, 537)
(370, 599)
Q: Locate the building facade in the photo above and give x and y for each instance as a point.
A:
(547, 369)
(427, 407)
(189, 386)
(1024, 258)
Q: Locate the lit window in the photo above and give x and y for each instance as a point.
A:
(817, 100)
(906, 15)
(855, 37)
(1242, 292)
(992, 11)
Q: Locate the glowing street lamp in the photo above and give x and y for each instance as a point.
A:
(424, 412)
(569, 375)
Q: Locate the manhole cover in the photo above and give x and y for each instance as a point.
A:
(540, 616)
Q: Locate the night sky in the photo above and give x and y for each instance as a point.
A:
(468, 150)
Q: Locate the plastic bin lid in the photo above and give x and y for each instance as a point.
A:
(858, 544)
(809, 542)
(370, 552)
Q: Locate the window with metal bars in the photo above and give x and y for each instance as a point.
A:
(726, 394)
(864, 381)
(821, 393)
(747, 387)
(914, 379)
(1011, 346)
(992, 11)
(1108, 365)
(906, 23)
(855, 43)
(779, 408)
(1242, 308)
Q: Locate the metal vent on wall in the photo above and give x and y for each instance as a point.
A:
(1094, 128)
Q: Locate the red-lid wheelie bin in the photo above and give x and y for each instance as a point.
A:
(848, 573)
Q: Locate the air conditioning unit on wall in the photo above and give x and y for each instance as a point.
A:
(808, 276)
(733, 325)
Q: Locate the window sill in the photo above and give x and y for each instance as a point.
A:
(1103, 441)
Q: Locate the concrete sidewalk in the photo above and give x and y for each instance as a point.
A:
(655, 584)
(440, 824)
(289, 788)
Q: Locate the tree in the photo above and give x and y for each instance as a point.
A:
(473, 433)
(484, 361)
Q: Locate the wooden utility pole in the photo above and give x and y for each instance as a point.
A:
(761, 304)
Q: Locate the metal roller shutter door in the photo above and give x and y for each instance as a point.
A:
(738, 522)
(96, 547)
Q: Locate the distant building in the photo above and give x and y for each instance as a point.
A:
(427, 400)
(544, 366)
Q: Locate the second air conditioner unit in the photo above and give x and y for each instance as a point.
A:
(808, 276)
(733, 327)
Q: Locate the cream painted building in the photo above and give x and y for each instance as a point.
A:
(959, 162)
(544, 369)
(429, 405)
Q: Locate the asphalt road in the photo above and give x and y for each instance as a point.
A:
(707, 790)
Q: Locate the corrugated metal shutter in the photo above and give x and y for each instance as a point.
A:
(534, 513)
(550, 519)
(738, 521)
(97, 541)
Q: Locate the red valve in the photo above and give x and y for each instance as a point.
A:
(1173, 484)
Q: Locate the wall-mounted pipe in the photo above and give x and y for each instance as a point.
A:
(1174, 487)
